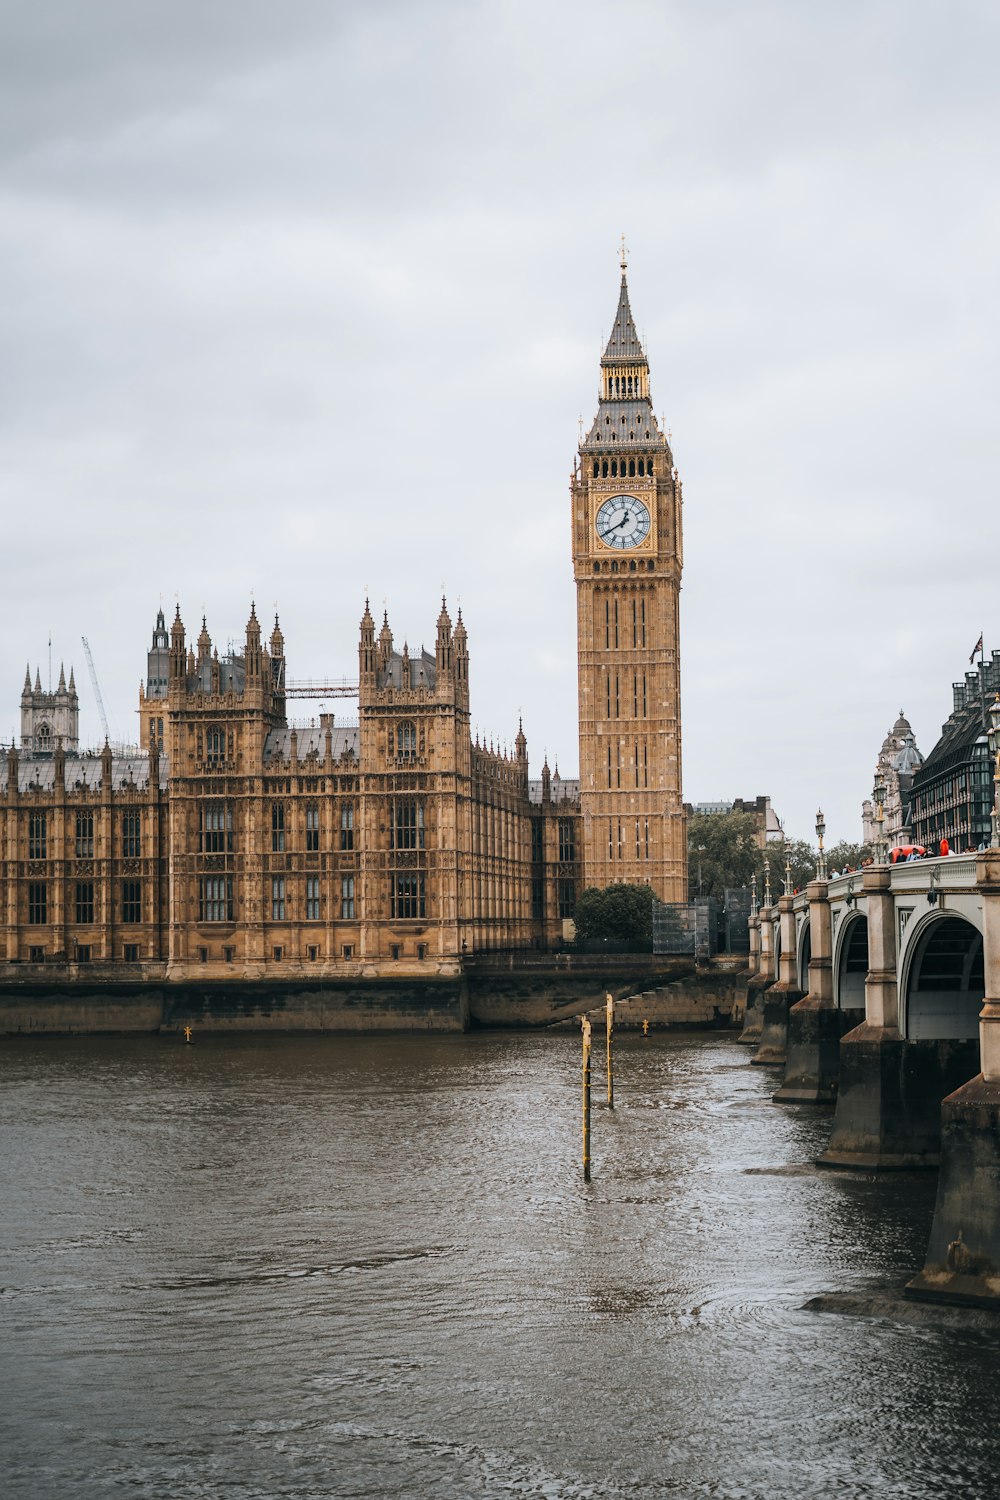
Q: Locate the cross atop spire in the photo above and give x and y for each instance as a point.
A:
(624, 256)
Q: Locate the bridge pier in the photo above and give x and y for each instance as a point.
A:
(889, 1096)
(779, 997)
(753, 1018)
(963, 1255)
(815, 1024)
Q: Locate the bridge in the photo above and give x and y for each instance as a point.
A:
(879, 992)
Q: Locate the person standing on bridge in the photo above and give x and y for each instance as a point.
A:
(943, 847)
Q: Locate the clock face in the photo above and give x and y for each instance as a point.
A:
(622, 522)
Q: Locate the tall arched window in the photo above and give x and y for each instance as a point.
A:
(406, 740)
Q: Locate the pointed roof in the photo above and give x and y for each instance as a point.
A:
(62, 678)
(625, 418)
(624, 346)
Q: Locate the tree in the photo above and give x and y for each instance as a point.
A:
(843, 855)
(780, 853)
(722, 853)
(619, 913)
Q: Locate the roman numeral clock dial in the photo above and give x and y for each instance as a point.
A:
(622, 522)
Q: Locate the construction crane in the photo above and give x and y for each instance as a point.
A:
(97, 688)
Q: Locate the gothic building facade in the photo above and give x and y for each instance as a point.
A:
(235, 843)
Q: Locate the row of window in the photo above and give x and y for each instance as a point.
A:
(130, 826)
(567, 841)
(565, 896)
(618, 838)
(83, 903)
(406, 828)
(621, 622)
(640, 764)
(280, 904)
(614, 695)
(605, 468)
(130, 953)
(408, 897)
(82, 953)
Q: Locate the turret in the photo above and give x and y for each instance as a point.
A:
(178, 655)
(204, 642)
(443, 653)
(366, 648)
(384, 642)
(460, 641)
(277, 661)
(521, 744)
(254, 652)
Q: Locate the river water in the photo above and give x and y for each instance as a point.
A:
(368, 1267)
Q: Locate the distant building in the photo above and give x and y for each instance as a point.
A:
(953, 789)
(47, 718)
(898, 760)
(768, 824)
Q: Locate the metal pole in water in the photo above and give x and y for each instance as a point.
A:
(586, 1098)
(611, 1033)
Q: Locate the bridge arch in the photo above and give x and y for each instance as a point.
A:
(804, 954)
(850, 966)
(943, 982)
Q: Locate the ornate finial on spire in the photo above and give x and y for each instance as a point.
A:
(624, 256)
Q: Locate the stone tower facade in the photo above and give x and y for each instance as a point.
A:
(153, 693)
(49, 719)
(627, 557)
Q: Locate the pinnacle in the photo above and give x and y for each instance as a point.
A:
(623, 343)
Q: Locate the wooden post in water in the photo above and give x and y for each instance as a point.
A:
(611, 1033)
(586, 1098)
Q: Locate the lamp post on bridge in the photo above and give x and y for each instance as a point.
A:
(993, 740)
(820, 831)
(754, 906)
(879, 795)
(767, 882)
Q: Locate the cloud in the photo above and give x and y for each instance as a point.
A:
(305, 302)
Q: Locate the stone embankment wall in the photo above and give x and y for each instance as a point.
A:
(666, 992)
(522, 991)
(417, 1005)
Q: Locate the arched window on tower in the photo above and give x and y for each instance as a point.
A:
(604, 469)
(631, 467)
(597, 467)
(406, 740)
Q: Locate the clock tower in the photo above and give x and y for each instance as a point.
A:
(627, 559)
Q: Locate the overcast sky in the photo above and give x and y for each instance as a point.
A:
(302, 301)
